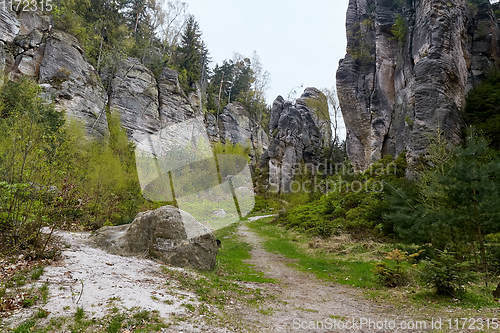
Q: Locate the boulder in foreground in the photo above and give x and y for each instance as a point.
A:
(167, 233)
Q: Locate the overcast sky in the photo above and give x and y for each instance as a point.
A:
(299, 42)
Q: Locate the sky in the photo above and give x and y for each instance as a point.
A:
(299, 42)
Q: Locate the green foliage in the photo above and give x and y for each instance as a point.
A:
(446, 274)
(112, 30)
(233, 80)
(355, 202)
(455, 202)
(192, 57)
(391, 273)
(482, 110)
(30, 150)
(52, 176)
(400, 29)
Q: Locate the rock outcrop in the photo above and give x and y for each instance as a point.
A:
(175, 106)
(29, 47)
(298, 135)
(167, 234)
(408, 68)
(236, 126)
(134, 95)
(147, 104)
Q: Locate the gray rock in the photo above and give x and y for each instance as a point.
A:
(134, 95)
(296, 137)
(212, 127)
(9, 24)
(73, 83)
(175, 107)
(237, 126)
(219, 213)
(167, 234)
(30, 21)
(394, 94)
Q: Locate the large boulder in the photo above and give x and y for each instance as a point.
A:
(167, 234)
(407, 71)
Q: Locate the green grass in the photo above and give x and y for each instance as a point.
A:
(132, 320)
(324, 266)
(36, 273)
(231, 259)
(348, 269)
(222, 285)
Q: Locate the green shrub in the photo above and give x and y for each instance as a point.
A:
(391, 273)
(52, 176)
(446, 274)
(483, 108)
(455, 202)
(400, 29)
(357, 202)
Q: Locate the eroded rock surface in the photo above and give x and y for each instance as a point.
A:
(30, 47)
(134, 95)
(298, 135)
(73, 83)
(167, 234)
(408, 68)
(237, 126)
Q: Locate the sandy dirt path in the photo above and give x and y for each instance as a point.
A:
(98, 281)
(303, 300)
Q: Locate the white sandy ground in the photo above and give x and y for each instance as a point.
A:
(97, 281)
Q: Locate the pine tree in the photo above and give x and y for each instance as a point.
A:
(456, 201)
(192, 54)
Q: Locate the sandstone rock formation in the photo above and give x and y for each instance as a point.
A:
(237, 126)
(175, 107)
(299, 134)
(134, 95)
(408, 68)
(29, 47)
(167, 234)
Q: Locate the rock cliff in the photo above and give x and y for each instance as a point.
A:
(408, 69)
(29, 47)
(235, 125)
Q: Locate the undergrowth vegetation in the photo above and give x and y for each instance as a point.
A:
(441, 228)
(52, 176)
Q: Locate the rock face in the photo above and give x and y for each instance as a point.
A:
(298, 135)
(29, 47)
(134, 95)
(236, 126)
(73, 83)
(167, 234)
(146, 104)
(174, 104)
(408, 68)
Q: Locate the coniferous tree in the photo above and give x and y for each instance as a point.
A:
(455, 203)
(190, 54)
